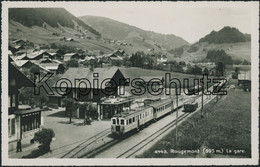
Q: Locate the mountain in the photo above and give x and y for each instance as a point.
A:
(226, 35)
(229, 39)
(52, 16)
(120, 31)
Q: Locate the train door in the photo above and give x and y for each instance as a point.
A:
(155, 113)
(117, 125)
(138, 121)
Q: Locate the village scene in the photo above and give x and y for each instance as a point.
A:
(78, 121)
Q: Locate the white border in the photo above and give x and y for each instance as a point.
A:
(174, 161)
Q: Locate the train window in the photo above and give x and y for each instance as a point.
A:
(130, 121)
(133, 119)
(126, 122)
(122, 122)
(114, 121)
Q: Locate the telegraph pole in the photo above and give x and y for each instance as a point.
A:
(176, 132)
(201, 113)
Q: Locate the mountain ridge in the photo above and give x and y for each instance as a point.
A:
(123, 31)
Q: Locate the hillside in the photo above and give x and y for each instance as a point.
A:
(120, 31)
(229, 39)
(52, 16)
(226, 35)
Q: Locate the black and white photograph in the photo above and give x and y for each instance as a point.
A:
(130, 83)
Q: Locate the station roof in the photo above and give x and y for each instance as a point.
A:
(23, 112)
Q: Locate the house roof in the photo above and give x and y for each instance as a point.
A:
(78, 73)
(16, 73)
(160, 102)
(35, 54)
(51, 66)
(21, 57)
(21, 63)
(29, 111)
(70, 54)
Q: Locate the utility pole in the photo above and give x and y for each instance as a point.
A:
(201, 113)
(176, 132)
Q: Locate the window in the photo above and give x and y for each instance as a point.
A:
(122, 122)
(126, 122)
(133, 119)
(130, 121)
(13, 100)
(114, 121)
(13, 126)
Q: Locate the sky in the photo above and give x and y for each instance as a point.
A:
(181, 19)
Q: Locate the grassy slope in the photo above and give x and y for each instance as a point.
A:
(241, 50)
(227, 127)
(39, 35)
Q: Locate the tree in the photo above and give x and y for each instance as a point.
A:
(26, 96)
(71, 105)
(44, 137)
(206, 71)
(220, 67)
(196, 70)
(72, 63)
(237, 70)
(116, 63)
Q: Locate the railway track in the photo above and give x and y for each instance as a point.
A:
(130, 152)
(149, 139)
(80, 152)
(74, 153)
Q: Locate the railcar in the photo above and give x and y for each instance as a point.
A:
(125, 122)
(134, 119)
(190, 106)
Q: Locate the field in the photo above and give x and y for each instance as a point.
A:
(224, 131)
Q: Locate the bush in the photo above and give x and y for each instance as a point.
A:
(44, 137)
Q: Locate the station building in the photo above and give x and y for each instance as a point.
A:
(102, 84)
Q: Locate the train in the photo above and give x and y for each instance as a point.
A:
(128, 121)
(190, 106)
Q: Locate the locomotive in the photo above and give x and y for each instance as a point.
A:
(128, 121)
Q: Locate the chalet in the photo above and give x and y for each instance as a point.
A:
(22, 124)
(20, 42)
(38, 55)
(56, 98)
(69, 39)
(119, 52)
(70, 56)
(55, 54)
(244, 78)
(109, 79)
(162, 59)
